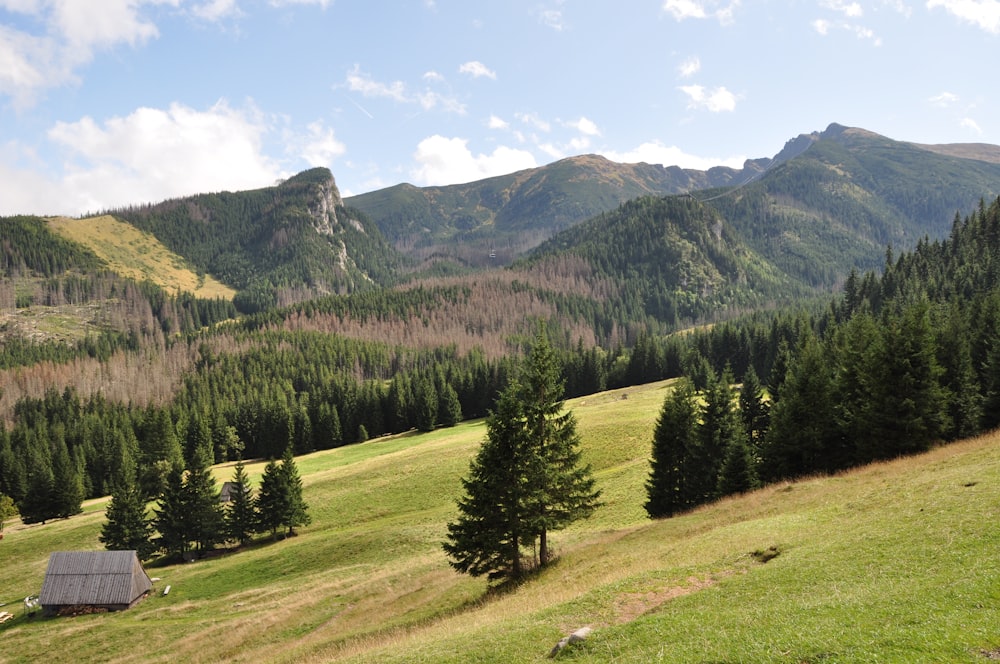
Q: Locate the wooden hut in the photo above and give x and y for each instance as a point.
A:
(84, 581)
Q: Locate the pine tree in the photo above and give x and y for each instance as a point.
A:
(241, 514)
(171, 518)
(674, 435)
(527, 478)
(128, 528)
(738, 473)
(67, 485)
(297, 513)
(559, 489)
(273, 500)
(202, 498)
(754, 410)
(490, 531)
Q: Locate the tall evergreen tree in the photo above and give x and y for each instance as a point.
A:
(241, 513)
(128, 527)
(297, 513)
(527, 478)
(170, 518)
(273, 501)
(490, 531)
(205, 513)
(559, 489)
(673, 437)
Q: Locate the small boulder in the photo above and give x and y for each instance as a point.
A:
(576, 637)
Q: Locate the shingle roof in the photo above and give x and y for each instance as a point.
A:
(93, 578)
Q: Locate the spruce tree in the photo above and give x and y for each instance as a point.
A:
(273, 500)
(559, 489)
(490, 531)
(204, 510)
(241, 513)
(527, 478)
(297, 513)
(128, 528)
(674, 435)
(171, 518)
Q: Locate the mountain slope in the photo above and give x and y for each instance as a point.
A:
(848, 196)
(513, 213)
(296, 238)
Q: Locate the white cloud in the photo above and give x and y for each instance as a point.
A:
(943, 99)
(718, 100)
(433, 76)
(357, 81)
(821, 26)
(849, 9)
(689, 67)
(972, 125)
(318, 146)
(584, 126)
(215, 10)
(532, 120)
(983, 13)
(444, 161)
(66, 36)
(552, 18)
(496, 122)
(153, 154)
(477, 69)
(684, 9)
(655, 152)
(284, 3)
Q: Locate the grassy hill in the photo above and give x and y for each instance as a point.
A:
(137, 255)
(894, 562)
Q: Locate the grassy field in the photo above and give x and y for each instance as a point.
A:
(138, 255)
(896, 562)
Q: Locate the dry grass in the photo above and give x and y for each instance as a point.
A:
(138, 255)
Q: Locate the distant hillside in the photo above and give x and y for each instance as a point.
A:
(826, 202)
(671, 258)
(136, 255)
(848, 196)
(283, 243)
(513, 213)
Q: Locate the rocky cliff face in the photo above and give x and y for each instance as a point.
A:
(323, 207)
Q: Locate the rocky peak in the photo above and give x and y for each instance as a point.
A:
(321, 195)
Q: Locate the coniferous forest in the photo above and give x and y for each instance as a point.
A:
(793, 362)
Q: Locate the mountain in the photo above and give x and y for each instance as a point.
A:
(826, 202)
(278, 244)
(510, 214)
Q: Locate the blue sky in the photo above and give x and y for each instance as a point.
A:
(111, 102)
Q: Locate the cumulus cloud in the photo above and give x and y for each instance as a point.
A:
(318, 146)
(700, 9)
(442, 160)
(65, 38)
(215, 10)
(533, 121)
(283, 3)
(496, 122)
(585, 126)
(153, 154)
(655, 152)
(477, 69)
(984, 14)
(718, 100)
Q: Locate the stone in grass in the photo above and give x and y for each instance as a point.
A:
(577, 636)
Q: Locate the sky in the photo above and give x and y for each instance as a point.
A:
(105, 103)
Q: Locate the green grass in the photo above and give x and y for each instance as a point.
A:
(895, 562)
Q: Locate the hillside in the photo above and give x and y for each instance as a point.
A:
(276, 245)
(511, 214)
(136, 255)
(893, 562)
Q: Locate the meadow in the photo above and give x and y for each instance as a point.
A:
(893, 562)
(137, 255)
